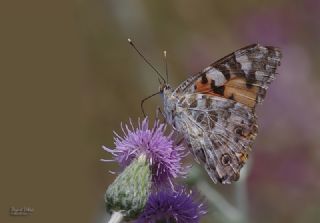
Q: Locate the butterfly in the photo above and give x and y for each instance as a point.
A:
(214, 110)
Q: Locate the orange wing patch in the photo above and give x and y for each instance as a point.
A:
(236, 89)
(204, 85)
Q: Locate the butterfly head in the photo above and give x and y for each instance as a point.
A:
(164, 88)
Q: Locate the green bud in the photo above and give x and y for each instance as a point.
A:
(129, 192)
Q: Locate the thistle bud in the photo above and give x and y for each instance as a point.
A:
(129, 192)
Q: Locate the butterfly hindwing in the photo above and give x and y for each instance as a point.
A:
(220, 133)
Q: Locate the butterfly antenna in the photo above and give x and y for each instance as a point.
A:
(166, 65)
(145, 59)
(142, 102)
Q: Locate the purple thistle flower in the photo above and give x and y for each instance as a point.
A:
(172, 206)
(162, 153)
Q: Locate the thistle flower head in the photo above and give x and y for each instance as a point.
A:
(162, 153)
(172, 206)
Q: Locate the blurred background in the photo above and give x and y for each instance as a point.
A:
(71, 78)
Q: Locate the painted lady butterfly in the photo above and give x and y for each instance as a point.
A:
(215, 109)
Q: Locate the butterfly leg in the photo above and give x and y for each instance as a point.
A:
(159, 112)
(182, 141)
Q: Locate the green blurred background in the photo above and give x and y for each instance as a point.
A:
(69, 77)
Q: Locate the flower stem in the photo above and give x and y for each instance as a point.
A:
(231, 213)
(116, 217)
(241, 192)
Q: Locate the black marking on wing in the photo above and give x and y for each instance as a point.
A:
(263, 60)
(216, 89)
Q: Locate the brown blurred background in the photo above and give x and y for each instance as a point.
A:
(68, 78)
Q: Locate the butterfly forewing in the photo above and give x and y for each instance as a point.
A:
(243, 75)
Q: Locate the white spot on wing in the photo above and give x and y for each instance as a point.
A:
(261, 52)
(259, 56)
(260, 73)
(245, 62)
(261, 76)
(217, 76)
